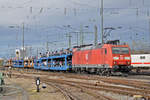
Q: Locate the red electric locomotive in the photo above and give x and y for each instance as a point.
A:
(102, 59)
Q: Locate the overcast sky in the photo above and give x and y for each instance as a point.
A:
(47, 20)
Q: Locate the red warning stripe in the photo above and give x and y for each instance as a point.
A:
(141, 63)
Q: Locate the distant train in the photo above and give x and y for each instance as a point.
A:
(104, 59)
(140, 61)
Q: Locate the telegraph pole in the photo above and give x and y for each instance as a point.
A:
(37, 53)
(130, 2)
(95, 41)
(81, 35)
(149, 25)
(77, 39)
(23, 40)
(47, 46)
(69, 40)
(102, 21)
(143, 2)
(76, 36)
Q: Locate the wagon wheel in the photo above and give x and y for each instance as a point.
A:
(138, 70)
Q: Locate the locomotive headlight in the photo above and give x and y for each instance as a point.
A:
(127, 58)
(115, 58)
(128, 62)
(115, 62)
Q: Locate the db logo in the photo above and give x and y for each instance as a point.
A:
(121, 57)
(86, 57)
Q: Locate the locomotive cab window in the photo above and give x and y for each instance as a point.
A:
(120, 50)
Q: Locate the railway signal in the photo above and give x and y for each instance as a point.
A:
(38, 84)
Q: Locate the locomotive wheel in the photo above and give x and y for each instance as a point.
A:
(103, 73)
(108, 73)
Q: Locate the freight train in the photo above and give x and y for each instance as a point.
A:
(1, 62)
(103, 59)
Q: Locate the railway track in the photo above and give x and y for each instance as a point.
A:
(114, 89)
(94, 94)
(58, 85)
(110, 80)
(66, 93)
(133, 87)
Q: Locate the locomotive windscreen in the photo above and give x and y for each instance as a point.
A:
(120, 50)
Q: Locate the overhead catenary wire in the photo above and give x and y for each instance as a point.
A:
(37, 12)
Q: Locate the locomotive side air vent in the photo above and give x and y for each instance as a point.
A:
(82, 46)
(114, 42)
(88, 47)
